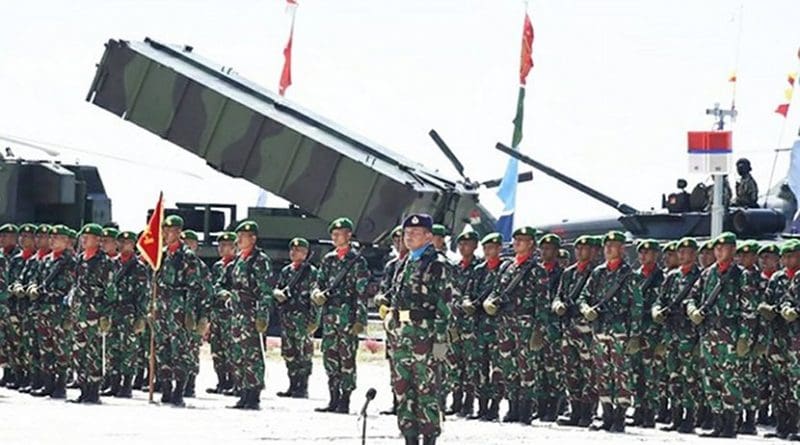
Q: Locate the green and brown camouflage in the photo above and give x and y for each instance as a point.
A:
(221, 318)
(296, 314)
(645, 372)
(93, 292)
(131, 296)
(59, 279)
(246, 131)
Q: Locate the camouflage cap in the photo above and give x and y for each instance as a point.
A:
(550, 238)
(439, 230)
(468, 235)
(226, 236)
(418, 220)
(587, 240)
(790, 247)
(110, 232)
(43, 229)
(687, 242)
(299, 242)
(564, 254)
(60, 229)
(341, 223)
(190, 235)
(725, 238)
(648, 244)
(492, 238)
(614, 235)
(127, 236)
(8, 228)
(92, 229)
(247, 226)
(173, 221)
(27, 228)
(769, 248)
(749, 246)
(525, 231)
(397, 231)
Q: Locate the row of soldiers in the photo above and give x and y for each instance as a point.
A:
(698, 335)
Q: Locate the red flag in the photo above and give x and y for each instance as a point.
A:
(526, 59)
(782, 109)
(150, 243)
(286, 74)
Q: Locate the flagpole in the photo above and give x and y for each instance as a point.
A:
(152, 364)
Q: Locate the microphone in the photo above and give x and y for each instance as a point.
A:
(370, 396)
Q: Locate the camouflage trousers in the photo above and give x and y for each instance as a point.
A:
(455, 368)
(781, 382)
(196, 341)
(174, 358)
(122, 347)
(87, 351)
(749, 373)
(297, 348)
(415, 380)
(30, 341)
(721, 383)
(505, 374)
(578, 363)
(5, 348)
(613, 369)
(546, 364)
(339, 347)
(246, 357)
(220, 340)
(56, 351)
(390, 326)
(646, 374)
(682, 362)
(794, 366)
(13, 338)
(477, 379)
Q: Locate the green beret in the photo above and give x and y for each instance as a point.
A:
(687, 242)
(587, 240)
(439, 230)
(468, 235)
(614, 235)
(247, 226)
(728, 238)
(190, 235)
(769, 248)
(397, 231)
(60, 229)
(708, 245)
(44, 229)
(127, 236)
(226, 236)
(341, 223)
(748, 246)
(551, 238)
(8, 228)
(173, 221)
(492, 238)
(92, 229)
(27, 228)
(564, 253)
(599, 239)
(110, 232)
(790, 247)
(73, 233)
(525, 231)
(299, 242)
(648, 244)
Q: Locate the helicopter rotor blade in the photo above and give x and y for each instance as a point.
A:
(447, 152)
(522, 177)
(45, 150)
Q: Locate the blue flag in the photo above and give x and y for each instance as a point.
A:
(794, 181)
(508, 187)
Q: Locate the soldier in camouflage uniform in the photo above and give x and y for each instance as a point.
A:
(17, 270)
(383, 301)
(220, 315)
(576, 337)
(463, 340)
(55, 283)
(521, 303)
(677, 342)
(723, 313)
(8, 243)
(111, 376)
(564, 258)
(749, 370)
(30, 336)
(89, 313)
(201, 307)
(746, 187)
(420, 319)
(480, 359)
(178, 282)
(449, 367)
(340, 291)
(769, 260)
(547, 350)
(789, 307)
(612, 302)
(646, 367)
(251, 302)
(127, 309)
(299, 318)
(706, 257)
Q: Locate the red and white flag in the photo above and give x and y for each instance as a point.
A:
(286, 74)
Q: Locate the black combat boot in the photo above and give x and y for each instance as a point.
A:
(333, 389)
(791, 423)
(728, 424)
(113, 386)
(166, 391)
(469, 405)
(253, 400)
(220, 384)
(525, 407)
(23, 380)
(483, 408)
(587, 415)
(93, 393)
(748, 427)
(60, 387)
(618, 425)
(126, 388)
(4, 380)
(412, 440)
(49, 381)
(687, 425)
(704, 418)
(574, 414)
(139, 381)
(13, 382)
(781, 425)
(232, 389)
(716, 421)
(550, 411)
(608, 418)
(636, 420)
(649, 418)
(663, 415)
(428, 440)
(301, 391)
(242, 400)
(677, 419)
(393, 410)
(189, 390)
(343, 407)
(177, 394)
(84, 394)
(493, 412)
(290, 390)
(34, 383)
(458, 398)
(763, 416)
(513, 411)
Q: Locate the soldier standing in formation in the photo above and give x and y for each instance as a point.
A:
(785, 292)
(220, 314)
(197, 309)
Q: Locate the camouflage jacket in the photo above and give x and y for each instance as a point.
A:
(351, 293)
(179, 280)
(204, 300)
(672, 287)
(57, 278)
(791, 299)
(221, 274)
(387, 279)
(93, 286)
(4, 283)
(251, 283)
(298, 300)
(130, 288)
(776, 331)
(424, 288)
(754, 286)
(483, 283)
(463, 277)
(572, 282)
(528, 300)
(620, 313)
(649, 295)
(732, 308)
(746, 192)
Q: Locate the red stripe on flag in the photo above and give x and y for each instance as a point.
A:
(526, 56)
(150, 244)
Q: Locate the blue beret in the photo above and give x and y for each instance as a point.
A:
(418, 220)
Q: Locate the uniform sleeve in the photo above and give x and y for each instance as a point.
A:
(636, 307)
(445, 292)
(542, 298)
(695, 296)
(262, 270)
(748, 296)
(315, 312)
(107, 291)
(586, 296)
(141, 289)
(192, 278)
(3, 278)
(362, 275)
